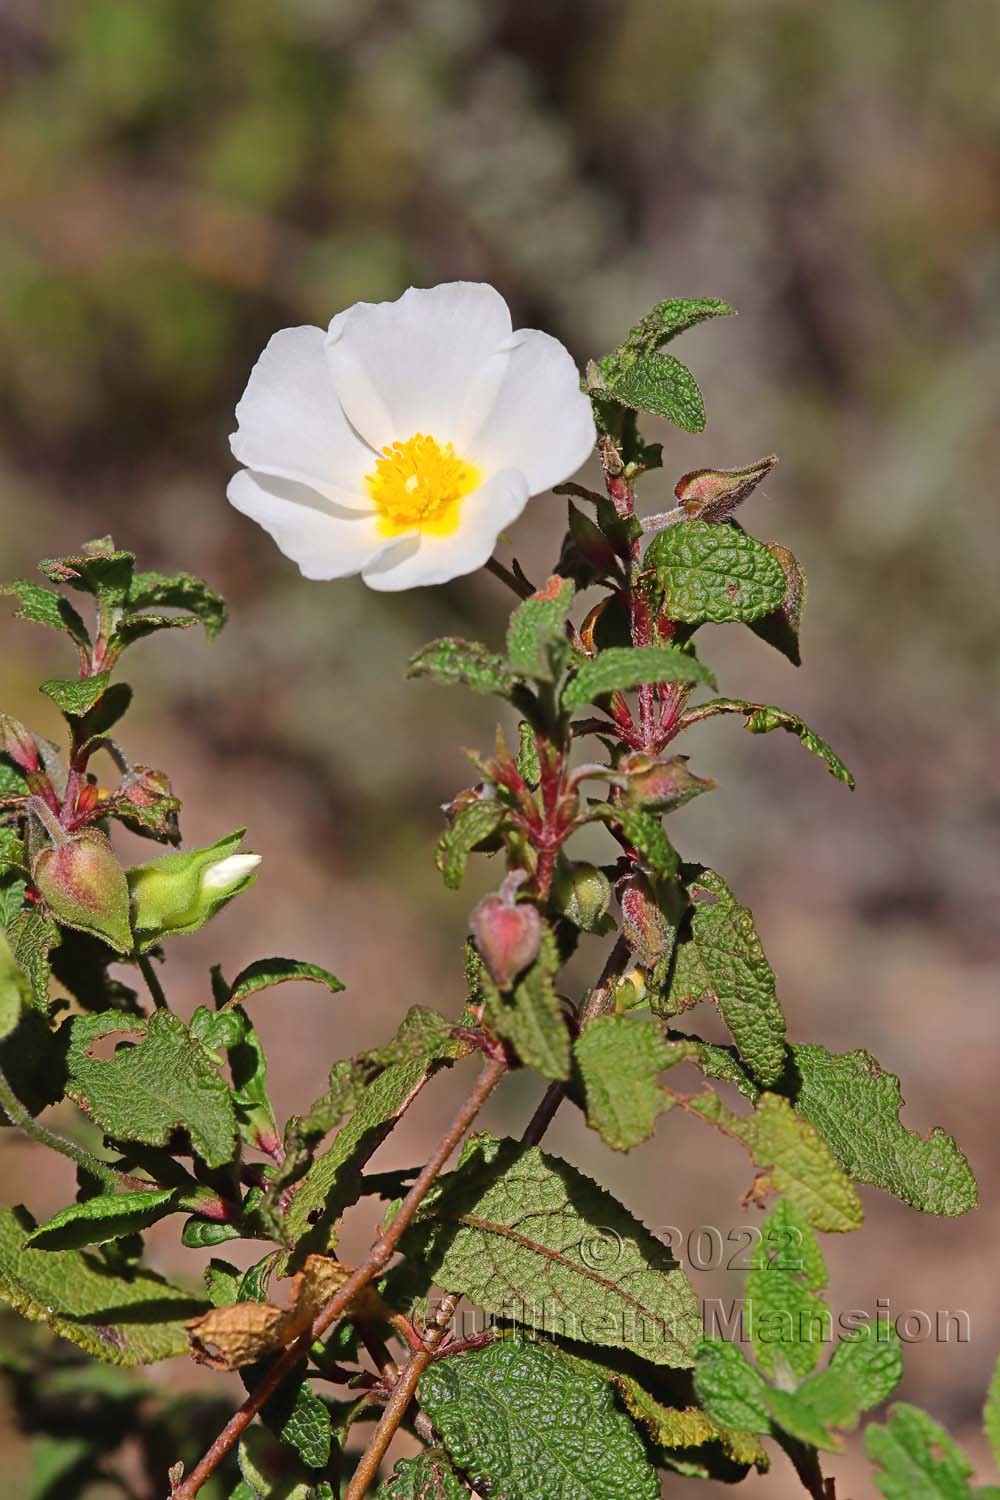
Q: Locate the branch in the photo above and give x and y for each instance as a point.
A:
(16, 1113)
(376, 1259)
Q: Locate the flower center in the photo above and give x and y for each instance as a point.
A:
(419, 486)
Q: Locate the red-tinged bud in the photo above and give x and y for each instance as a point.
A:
(713, 494)
(508, 933)
(87, 799)
(643, 924)
(661, 784)
(85, 887)
(19, 743)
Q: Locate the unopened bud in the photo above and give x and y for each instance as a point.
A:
(18, 742)
(661, 784)
(508, 933)
(84, 886)
(180, 892)
(713, 494)
(583, 894)
(643, 924)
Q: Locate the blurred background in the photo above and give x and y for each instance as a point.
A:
(178, 180)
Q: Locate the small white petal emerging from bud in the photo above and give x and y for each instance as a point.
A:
(229, 871)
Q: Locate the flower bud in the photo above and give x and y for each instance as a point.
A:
(583, 893)
(18, 742)
(84, 886)
(661, 784)
(507, 933)
(643, 924)
(713, 494)
(180, 892)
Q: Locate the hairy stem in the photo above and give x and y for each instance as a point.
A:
(376, 1259)
(153, 984)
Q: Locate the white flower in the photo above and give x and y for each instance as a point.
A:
(401, 442)
(228, 872)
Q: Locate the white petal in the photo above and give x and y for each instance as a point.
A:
(430, 362)
(229, 871)
(326, 540)
(430, 559)
(291, 423)
(541, 422)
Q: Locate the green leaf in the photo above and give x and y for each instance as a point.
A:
(98, 569)
(536, 637)
(788, 1323)
(660, 385)
(781, 628)
(916, 1459)
(179, 591)
(135, 627)
(871, 1361)
(200, 1234)
(109, 1216)
(298, 1418)
(991, 1414)
(645, 832)
(15, 988)
(714, 572)
(673, 317)
(761, 718)
(721, 958)
(467, 663)
(732, 1392)
(526, 1236)
(31, 936)
(528, 1423)
(232, 1030)
(836, 1091)
(472, 825)
(618, 668)
(814, 1411)
(619, 1059)
(430, 1476)
(531, 1017)
(124, 1319)
(161, 1079)
(267, 972)
(270, 1471)
(77, 697)
(793, 1159)
(45, 607)
(528, 764)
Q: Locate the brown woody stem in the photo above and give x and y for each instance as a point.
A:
(376, 1259)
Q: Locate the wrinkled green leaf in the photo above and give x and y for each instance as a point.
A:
(109, 1216)
(720, 958)
(714, 572)
(536, 637)
(761, 718)
(179, 591)
(661, 385)
(467, 663)
(991, 1414)
(528, 1422)
(732, 1392)
(267, 972)
(531, 1016)
(781, 628)
(44, 606)
(793, 1159)
(618, 668)
(161, 1079)
(97, 569)
(472, 825)
(429, 1476)
(77, 697)
(125, 1319)
(620, 1059)
(528, 1237)
(788, 1323)
(916, 1459)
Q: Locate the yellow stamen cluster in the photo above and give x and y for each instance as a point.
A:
(419, 485)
